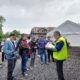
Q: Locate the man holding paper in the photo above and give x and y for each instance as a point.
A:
(59, 53)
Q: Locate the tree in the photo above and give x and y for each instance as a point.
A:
(2, 19)
(17, 33)
(6, 35)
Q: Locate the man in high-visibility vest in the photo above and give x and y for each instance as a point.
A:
(59, 53)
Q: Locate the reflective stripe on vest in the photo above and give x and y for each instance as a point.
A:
(62, 54)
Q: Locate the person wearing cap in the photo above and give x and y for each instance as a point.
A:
(11, 55)
(42, 50)
(60, 53)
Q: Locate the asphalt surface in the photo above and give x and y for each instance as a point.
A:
(48, 72)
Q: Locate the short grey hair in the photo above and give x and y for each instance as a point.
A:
(57, 33)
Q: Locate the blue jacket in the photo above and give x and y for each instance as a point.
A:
(42, 43)
(8, 50)
(59, 45)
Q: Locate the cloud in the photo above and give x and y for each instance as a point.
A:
(25, 14)
(74, 9)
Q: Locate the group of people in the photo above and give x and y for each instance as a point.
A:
(27, 47)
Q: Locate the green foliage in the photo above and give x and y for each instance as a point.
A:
(17, 33)
(6, 35)
(2, 19)
(1, 33)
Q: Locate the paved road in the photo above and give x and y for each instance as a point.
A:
(0, 57)
(48, 72)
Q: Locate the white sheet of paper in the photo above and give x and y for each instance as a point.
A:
(50, 45)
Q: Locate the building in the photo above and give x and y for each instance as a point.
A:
(36, 31)
(71, 31)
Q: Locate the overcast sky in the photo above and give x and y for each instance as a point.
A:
(25, 14)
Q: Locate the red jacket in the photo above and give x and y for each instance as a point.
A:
(24, 44)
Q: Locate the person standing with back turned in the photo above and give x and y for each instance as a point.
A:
(59, 53)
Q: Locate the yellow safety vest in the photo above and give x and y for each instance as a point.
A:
(62, 54)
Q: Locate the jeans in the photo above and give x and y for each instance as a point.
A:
(11, 66)
(43, 56)
(50, 56)
(38, 50)
(59, 66)
(3, 56)
(24, 62)
(33, 56)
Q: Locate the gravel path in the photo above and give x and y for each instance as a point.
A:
(48, 72)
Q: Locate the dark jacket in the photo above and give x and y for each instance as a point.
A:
(24, 46)
(32, 46)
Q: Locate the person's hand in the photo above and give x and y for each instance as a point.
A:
(14, 52)
(47, 47)
(35, 47)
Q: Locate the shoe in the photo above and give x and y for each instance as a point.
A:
(0, 63)
(47, 63)
(27, 69)
(1, 66)
(31, 68)
(42, 63)
(13, 78)
(25, 74)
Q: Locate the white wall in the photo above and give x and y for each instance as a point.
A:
(74, 40)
